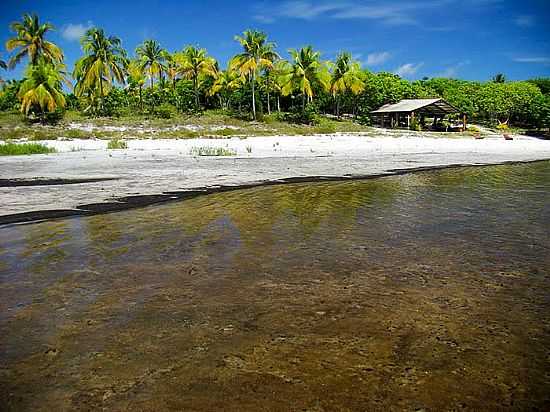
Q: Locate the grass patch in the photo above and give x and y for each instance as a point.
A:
(208, 124)
(212, 151)
(116, 143)
(15, 149)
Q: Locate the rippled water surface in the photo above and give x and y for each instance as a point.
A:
(423, 291)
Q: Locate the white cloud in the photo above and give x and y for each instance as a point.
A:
(399, 13)
(451, 72)
(73, 32)
(524, 21)
(307, 10)
(408, 69)
(374, 59)
(543, 60)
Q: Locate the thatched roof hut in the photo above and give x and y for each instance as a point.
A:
(403, 113)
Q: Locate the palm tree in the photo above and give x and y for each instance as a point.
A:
(171, 68)
(194, 64)
(257, 53)
(136, 77)
(30, 41)
(269, 84)
(103, 64)
(42, 89)
(280, 75)
(499, 78)
(225, 82)
(304, 74)
(152, 58)
(4, 66)
(346, 77)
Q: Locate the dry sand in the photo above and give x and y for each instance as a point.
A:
(150, 167)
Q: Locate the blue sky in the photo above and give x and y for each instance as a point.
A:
(469, 39)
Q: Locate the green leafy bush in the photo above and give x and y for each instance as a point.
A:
(166, 111)
(325, 126)
(13, 149)
(116, 143)
(415, 125)
(212, 151)
(473, 130)
(307, 116)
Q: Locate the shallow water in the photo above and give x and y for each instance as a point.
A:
(422, 291)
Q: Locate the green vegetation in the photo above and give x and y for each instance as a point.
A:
(13, 149)
(211, 151)
(117, 143)
(257, 54)
(30, 41)
(157, 88)
(95, 73)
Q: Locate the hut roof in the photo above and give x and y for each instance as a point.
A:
(430, 106)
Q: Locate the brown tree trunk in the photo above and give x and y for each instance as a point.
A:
(253, 96)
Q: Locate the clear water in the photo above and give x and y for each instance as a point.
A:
(423, 291)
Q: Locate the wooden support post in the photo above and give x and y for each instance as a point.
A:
(464, 123)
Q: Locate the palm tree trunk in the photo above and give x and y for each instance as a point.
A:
(278, 103)
(268, 104)
(140, 99)
(196, 87)
(253, 96)
(101, 93)
(303, 102)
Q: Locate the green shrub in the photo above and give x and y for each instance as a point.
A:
(307, 116)
(211, 151)
(473, 129)
(116, 144)
(415, 125)
(325, 126)
(364, 119)
(13, 149)
(166, 111)
(226, 131)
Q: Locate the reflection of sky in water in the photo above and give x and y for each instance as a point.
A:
(476, 219)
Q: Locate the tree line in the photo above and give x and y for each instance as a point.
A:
(107, 81)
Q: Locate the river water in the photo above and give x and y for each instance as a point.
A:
(426, 291)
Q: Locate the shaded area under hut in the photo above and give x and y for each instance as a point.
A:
(420, 114)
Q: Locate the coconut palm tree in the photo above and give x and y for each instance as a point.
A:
(257, 54)
(153, 59)
(280, 72)
(136, 77)
(346, 77)
(225, 82)
(4, 66)
(171, 68)
(304, 74)
(194, 64)
(499, 78)
(42, 89)
(103, 64)
(29, 41)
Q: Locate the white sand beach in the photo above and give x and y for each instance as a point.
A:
(149, 167)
